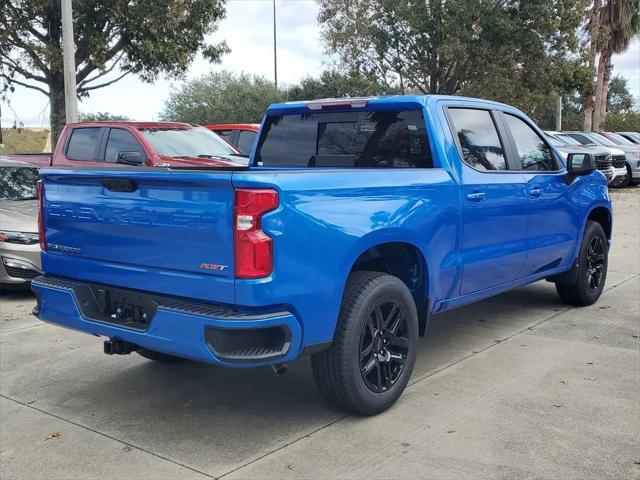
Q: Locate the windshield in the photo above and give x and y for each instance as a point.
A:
(187, 142)
(602, 140)
(18, 183)
(620, 139)
(556, 142)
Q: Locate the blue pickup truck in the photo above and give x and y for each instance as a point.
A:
(354, 222)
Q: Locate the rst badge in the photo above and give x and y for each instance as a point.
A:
(213, 266)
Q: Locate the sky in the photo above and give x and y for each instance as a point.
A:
(248, 31)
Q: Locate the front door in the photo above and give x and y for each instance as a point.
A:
(553, 220)
(494, 224)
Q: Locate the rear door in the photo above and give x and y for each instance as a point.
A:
(553, 221)
(494, 233)
(81, 147)
(148, 229)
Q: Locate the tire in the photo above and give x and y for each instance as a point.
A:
(371, 300)
(592, 268)
(159, 356)
(627, 179)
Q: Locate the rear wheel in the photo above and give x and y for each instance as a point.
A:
(159, 356)
(374, 349)
(592, 268)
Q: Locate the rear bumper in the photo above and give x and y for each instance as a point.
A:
(203, 332)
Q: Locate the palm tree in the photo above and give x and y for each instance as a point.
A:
(620, 22)
(594, 31)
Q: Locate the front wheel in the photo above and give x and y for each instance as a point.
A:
(592, 268)
(374, 348)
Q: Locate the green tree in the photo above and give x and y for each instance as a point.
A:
(589, 91)
(619, 24)
(333, 84)
(623, 122)
(221, 97)
(620, 99)
(512, 51)
(102, 117)
(113, 38)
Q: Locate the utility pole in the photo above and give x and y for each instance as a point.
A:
(1, 142)
(69, 63)
(559, 114)
(275, 55)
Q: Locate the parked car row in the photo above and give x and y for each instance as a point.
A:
(617, 154)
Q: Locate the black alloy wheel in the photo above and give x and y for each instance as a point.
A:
(384, 345)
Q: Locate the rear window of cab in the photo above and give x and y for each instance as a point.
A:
(372, 139)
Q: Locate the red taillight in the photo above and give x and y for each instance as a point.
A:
(43, 242)
(253, 247)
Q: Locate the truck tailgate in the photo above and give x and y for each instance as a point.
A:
(153, 230)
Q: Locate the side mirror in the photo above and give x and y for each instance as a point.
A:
(130, 158)
(580, 164)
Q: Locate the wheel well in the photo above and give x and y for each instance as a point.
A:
(402, 260)
(603, 217)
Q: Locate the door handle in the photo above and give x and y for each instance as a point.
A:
(476, 196)
(119, 184)
(535, 192)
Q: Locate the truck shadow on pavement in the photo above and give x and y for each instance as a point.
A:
(215, 418)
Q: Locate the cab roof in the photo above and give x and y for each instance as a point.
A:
(138, 125)
(382, 102)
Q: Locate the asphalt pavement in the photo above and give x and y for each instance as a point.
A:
(517, 386)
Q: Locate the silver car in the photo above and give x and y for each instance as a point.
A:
(632, 153)
(603, 155)
(19, 246)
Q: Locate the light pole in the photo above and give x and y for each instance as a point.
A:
(69, 63)
(275, 54)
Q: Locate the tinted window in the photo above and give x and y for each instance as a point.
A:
(83, 142)
(120, 141)
(395, 138)
(568, 139)
(478, 136)
(582, 139)
(18, 183)
(534, 153)
(226, 134)
(245, 141)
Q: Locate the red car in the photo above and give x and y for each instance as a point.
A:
(154, 144)
(240, 135)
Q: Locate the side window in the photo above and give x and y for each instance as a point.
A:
(82, 144)
(580, 138)
(120, 141)
(534, 153)
(245, 141)
(478, 136)
(226, 134)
